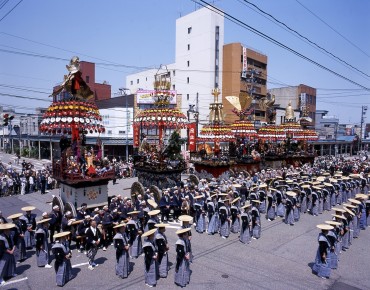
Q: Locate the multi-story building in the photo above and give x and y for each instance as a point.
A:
(198, 61)
(326, 126)
(302, 98)
(244, 71)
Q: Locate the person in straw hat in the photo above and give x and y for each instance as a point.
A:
(256, 220)
(55, 222)
(356, 217)
(63, 255)
(29, 234)
(121, 244)
(246, 225)
(19, 230)
(150, 258)
(42, 245)
(200, 217)
(335, 244)
(322, 265)
(289, 214)
(7, 260)
(153, 219)
(134, 232)
(235, 216)
(162, 246)
(182, 267)
(224, 213)
(186, 219)
(362, 210)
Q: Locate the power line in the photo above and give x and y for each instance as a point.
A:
(274, 41)
(3, 4)
(11, 10)
(305, 38)
(332, 28)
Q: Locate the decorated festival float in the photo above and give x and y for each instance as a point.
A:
(159, 160)
(82, 174)
(213, 143)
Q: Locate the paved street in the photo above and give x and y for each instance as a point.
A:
(280, 259)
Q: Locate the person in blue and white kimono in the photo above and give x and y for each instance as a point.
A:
(153, 220)
(289, 213)
(296, 206)
(121, 244)
(362, 210)
(315, 201)
(303, 199)
(186, 219)
(256, 220)
(200, 218)
(29, 234)
(246, 225)
(150, 258)
(280, 208)
(18, 232)
(42, 245)
(355, 217)
(134, 233)
(162, 247)
(235, 215)
(7, 247)
(182, 266)
(271, 205)
(63, 255)
(322, 266)
(224, 222)
(333, 237)
(213, 217)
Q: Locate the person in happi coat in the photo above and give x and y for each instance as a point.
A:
(93, 241)
(182, 267)
(271, 205)
(224, 222)
(186, 223)
(246, 225)
(121, 244)
(200, 217)
(213, 217)
(153, 220)
(7, 248)
(29, 234)
(333, 238)
(134, 233)
(362, 210)
(355, 217)
(63, 255)
(256, 220)
(18, 232)
(280, 208)
(289, 214)
(322, 265)
(162, 246)
(42, 245)
(150, 258)
(235, 215)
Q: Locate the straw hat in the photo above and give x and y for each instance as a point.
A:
(6, 226)
(154, 212)
(181, 231)
(119, 225)
(246, 205)
(333, 180)
(235, 200)
(333, 223)
(262, 185)
(349, 205)
(354, 201)
(306, 186)
(133, 212)
(325, 227)
(321, 178)
(185, 218)
(339, 216)
(198, 196)
(328, 184)
(62, 234)
(291, 193)
(149, 233)
(15, 216)
(349, 211)
(361, 196)
(28, 208)
(237, 185)
(338, 209)
(256, 201)
(152, 203)
(43, 221)
(161, 225)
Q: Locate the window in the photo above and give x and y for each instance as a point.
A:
(187, 97)
(121, 132)
(87, 79)
(137, 81)
(188, 62)
(187, 79)
(109, 132)
(131, 82)
(173, 87)
(189, 30)
(188, 46)
(327, 126)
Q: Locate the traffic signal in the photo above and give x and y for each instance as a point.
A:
(6, 119)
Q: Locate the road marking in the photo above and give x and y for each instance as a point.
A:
(173, 227)
(15, 281)
(81, 264)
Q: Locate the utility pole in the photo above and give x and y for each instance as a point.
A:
(123, 93)
(363, 113)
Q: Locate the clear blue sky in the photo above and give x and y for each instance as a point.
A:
(141, 33)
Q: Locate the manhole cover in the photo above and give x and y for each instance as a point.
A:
(225, 276)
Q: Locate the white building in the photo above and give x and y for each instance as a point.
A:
(198, 61)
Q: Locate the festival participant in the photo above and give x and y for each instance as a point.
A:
(333, 238)
(29, 234)
(213, 217)
(107, 223)
(134, 233)
(150, 258)
(235, 215)
(18, 232)
(162, 247)
(93, 241)
(42, 245)
(289, 214)
(356, 217)
(121, 244)
(55, 222)
(63, 255)
(153, 214)
(246, 224)
(256, 220)
(7, 246)
(80, 234)
(322, 265)
(271, 204)
(186, 219)
(182, 267)
(200, 218)
(164, 205)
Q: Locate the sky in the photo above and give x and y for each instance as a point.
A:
(37, 39)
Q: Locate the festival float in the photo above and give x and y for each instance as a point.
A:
(213, 155)
(159, 160)
(82, 174)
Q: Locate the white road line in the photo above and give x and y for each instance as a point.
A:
(81, 264)
(173, 227)
(15, 281)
